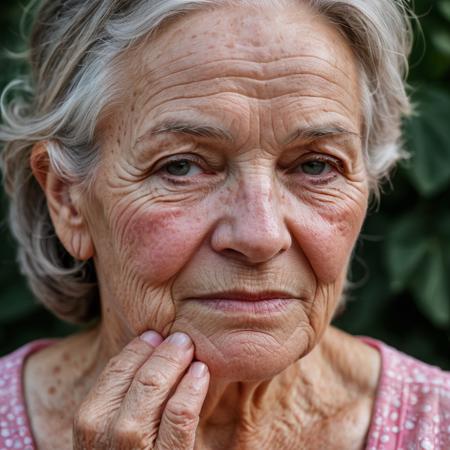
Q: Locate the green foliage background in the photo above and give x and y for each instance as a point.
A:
(401, 269)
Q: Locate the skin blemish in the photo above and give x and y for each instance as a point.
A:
(56, 370)
(51, 390)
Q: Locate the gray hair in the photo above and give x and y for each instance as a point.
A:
(74, 46)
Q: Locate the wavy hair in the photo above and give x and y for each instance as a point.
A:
(73, 48)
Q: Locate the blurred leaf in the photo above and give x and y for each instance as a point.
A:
(15, 302)
(428, 137)
(418, 260)
(406, 247)
(431, 287)
(441, 39)
(444, 8)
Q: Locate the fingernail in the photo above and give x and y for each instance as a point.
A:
(152, 337)
(198, 369)
(179, 339)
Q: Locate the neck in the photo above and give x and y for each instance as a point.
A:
(235, 414)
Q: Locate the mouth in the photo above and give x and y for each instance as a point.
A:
(264, 302)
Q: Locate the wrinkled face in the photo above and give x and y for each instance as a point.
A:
(232, 167)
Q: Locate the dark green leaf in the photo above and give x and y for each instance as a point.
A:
(444, 8)
(406, 247)
(428, 137)
(15, 302)
(431, 287)
(441, 39)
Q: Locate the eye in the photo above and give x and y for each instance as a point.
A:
(315, 167)
(181, 168)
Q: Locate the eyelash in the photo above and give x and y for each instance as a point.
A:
(334, 163)
(174, 179)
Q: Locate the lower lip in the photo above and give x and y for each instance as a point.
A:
(269, 306)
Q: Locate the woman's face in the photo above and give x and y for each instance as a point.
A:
(231, 167)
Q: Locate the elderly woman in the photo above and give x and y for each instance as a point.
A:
(194, 175)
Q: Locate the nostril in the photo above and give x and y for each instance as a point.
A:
(231, 253)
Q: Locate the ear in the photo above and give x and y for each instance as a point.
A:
(63, 202)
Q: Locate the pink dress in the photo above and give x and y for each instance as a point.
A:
(412, 407)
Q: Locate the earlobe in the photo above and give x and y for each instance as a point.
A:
(63, 202)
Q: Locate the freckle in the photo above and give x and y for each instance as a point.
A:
(229, 45)
(66, 357)
(193, 36)
(56, 370)
(210, 47)
(51, 390)
(118, 141)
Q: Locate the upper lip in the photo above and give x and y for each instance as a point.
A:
(245, 296)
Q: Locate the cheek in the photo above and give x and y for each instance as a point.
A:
(158, 244)
(327, 237)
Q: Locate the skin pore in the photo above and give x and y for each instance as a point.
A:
(232, 162)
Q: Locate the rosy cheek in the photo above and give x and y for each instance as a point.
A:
(327, 238)
(159, 243)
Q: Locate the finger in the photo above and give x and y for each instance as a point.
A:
(140, 413)
(182, 412)
(105, 397)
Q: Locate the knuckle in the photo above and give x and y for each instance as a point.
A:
(170, 362)
(86, 421)
(128, 358)
(152, 380)
(180, 415)
(129, 432)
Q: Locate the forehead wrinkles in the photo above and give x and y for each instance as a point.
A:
(309, 76)
(192, 62)
(311, 52)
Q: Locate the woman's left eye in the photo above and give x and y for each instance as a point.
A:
(182, 168)
(315, 167)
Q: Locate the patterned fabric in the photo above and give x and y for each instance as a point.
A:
(412, 407)
(15, 431)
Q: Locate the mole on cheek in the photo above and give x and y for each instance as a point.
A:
(51, 390)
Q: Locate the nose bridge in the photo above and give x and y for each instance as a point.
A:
(257, 228)
(256, 202)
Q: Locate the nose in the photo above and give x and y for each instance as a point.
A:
(253, 228)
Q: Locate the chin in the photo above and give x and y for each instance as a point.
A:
(246, 355)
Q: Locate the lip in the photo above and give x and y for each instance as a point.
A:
(260, 303)
(244, 296)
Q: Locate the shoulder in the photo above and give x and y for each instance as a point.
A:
(412, 408)
(14, 426)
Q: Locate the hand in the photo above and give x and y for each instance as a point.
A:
(149, 396)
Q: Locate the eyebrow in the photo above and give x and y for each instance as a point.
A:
(188, 128)
(307, 134)
(313, 133)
